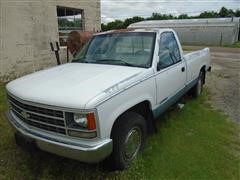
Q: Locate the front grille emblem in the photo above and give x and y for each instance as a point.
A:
(25, 115)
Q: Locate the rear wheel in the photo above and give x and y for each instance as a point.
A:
(129, 136)
(198, 88)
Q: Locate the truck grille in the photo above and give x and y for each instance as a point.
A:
(42, 118)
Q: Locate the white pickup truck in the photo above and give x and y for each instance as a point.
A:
(103, 103)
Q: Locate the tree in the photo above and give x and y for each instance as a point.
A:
(159, 16)
(65, 23)
(118, 24)
(208, 14)
(183, 16)
(224, 12)
(104, 27)
(132, 20)
(237, 13)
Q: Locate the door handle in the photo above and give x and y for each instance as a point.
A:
(183, 69)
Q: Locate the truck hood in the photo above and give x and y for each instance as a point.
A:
(71, 85)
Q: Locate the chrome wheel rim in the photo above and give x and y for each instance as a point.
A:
(132, 143)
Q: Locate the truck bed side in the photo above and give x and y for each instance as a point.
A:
(195, 61)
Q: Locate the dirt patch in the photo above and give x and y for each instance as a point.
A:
(224, 81)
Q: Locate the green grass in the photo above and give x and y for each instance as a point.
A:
(195, 142)
(235, 45)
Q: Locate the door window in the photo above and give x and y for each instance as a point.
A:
(168, 51)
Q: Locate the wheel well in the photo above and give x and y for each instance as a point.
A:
(144, 109)
(203, 69)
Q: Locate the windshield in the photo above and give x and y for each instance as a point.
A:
(128, 49)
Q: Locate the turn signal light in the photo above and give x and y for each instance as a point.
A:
(91, 121)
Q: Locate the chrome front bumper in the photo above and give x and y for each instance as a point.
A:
(90, 153)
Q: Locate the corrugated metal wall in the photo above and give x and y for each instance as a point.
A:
(217, 31)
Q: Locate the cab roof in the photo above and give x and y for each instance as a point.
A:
(156, 30)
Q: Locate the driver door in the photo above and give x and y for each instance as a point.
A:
(171, 75)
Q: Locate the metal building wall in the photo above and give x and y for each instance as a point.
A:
(222, 31)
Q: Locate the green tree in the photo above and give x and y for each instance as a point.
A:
(237, 13)
(118, 24)
(159, 16)
(132, 20)
(183, 16)
(208, 14)
(224, 12)
(65, 23)
(103, 27)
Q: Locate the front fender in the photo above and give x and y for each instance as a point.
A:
(111, 109)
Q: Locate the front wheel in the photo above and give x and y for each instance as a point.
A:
(129, 136)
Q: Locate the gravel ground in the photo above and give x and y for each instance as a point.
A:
(224, 80)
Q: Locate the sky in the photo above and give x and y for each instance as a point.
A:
(122, 9)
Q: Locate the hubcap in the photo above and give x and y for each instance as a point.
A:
(132, 143)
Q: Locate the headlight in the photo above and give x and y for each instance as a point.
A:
(81, 119)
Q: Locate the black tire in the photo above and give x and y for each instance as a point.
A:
(198, 88)
(128, 126)
(18, 139)
(24, 143)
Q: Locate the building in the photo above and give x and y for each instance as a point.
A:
(27, 28)
(214, 31)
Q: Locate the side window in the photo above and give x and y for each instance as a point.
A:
(168, 51)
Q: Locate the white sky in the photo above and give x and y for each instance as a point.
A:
(122, 9)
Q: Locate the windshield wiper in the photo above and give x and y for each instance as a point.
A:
(116, 60)
(122, 62)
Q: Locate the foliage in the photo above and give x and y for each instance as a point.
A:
(159, 16)
(209, 14)
(119, 24)
(183, 16)
(65, 23)
(195, 142)
(224, 12)
(129, 21)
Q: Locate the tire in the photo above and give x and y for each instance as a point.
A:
(18, 139)
(198, 88)
(129, 137)
(24, 143)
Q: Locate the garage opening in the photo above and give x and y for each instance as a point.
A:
(69, 19)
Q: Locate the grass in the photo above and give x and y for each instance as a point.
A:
(235, 45)
(195, 142)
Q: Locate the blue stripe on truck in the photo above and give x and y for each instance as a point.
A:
(172, 100)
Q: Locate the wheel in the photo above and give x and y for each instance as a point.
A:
(129, 136)
(24, 143)
(18, 139)
(198, 88)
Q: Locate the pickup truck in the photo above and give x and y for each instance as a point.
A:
(102, 104)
